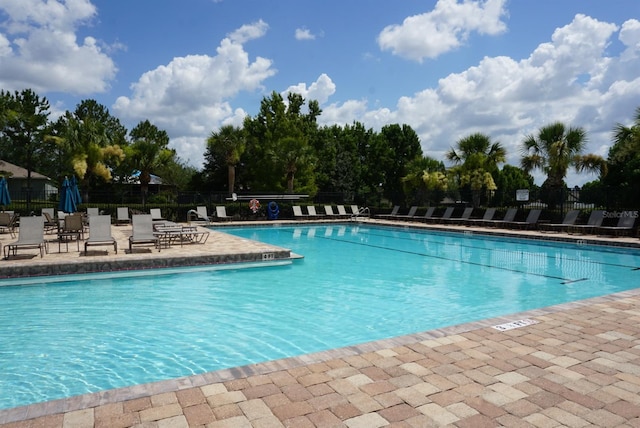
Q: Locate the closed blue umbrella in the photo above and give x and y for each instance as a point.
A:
(67, 203)
(73, 184)
(5, 199)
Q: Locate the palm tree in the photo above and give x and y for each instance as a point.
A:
(554, 150)
(477, 158)
(228, 144)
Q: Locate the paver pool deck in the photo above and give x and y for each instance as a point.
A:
(577, 366)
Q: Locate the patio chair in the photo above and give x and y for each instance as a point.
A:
(143, 232)
(221, 213)
(626, 222)
(510, 215)
(92, 211)
(8, 223)
(49, 211)
(409, 215)
(297, 212)
(530, 221)
(50, 223)
(328, 211)
(595, 221)
(393, 213)
(100, 232)
(427, 215)
(156, 214)
(488, 216)
(357, 212)
(569, 219)
(122, 215)
(30, 235)
(312, 211)
(342, 212)
(447, 214)
(199, 216)
(459, 220)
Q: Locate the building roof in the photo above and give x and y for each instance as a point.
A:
(10, 170)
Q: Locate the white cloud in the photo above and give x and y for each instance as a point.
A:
(445, 28)
(304, 34)
(320, 90)
(570, 79)
(189, 96)
(39, 49)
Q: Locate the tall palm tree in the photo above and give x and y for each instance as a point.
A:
(477, 158)
(555, 149)
(228, 144)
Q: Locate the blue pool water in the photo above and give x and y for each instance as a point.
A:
(71, 335)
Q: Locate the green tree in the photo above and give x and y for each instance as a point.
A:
(24, 117)
(403, 147)
(476, 158)
(148, 151)
(426, 181)
(225, 148)
(555, 149)
(509, 179)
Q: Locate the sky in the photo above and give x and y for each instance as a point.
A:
(447, 68)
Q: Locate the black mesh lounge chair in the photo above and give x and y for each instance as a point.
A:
(509, 216)
(393, 213)
(426, 216)
(488, 216)
(30, 236)
(409, 215)
(569, 220)
(594, 222)
(100, 232)
(530, 221)
(459, 220)
(143, 231)
(626, 222)
(447, 214)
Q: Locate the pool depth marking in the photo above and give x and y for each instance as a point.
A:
(561, 279)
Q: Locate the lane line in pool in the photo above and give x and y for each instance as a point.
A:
(563, 280)
(574, 280)
(473, 247)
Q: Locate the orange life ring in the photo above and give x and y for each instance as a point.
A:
(254, 204)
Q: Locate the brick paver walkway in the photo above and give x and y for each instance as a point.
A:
(578, 366)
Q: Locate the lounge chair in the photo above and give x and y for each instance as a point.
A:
(626, 222)
(92, 211)
(569, 219)
(30, 235)
(123, 215)
(199, 216)
(530, 221)
(459, 220)
(342, 212)
(393, 213)
(509, 216)
(311, 209)
(8, 223)
(143, 231)
(488, 216)
(297, 212)
(49, 211)
(595, 221)
(412, 212)
(427, 215)
(50, 223)
(328, 211)
(446, 215)
(221, 213)
(100, 232)
(357, 211)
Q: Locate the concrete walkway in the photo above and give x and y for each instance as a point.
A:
(574, 365)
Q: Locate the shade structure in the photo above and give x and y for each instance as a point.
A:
(5, 198)
(67, 203)
(75, 192)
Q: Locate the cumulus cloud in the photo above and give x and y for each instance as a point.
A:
(39, 48)
(571, 79)
(320, 90)
(189, 97)
(445, 28)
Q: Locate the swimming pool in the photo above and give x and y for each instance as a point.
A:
(72, 335)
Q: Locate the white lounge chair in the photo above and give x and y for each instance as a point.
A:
(221, 213)
(156, 214)
(30, 235)
(100, 232)
(312, 211)
(297, 211)
(143, 231)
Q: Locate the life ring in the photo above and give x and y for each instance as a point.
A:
(254, 205)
